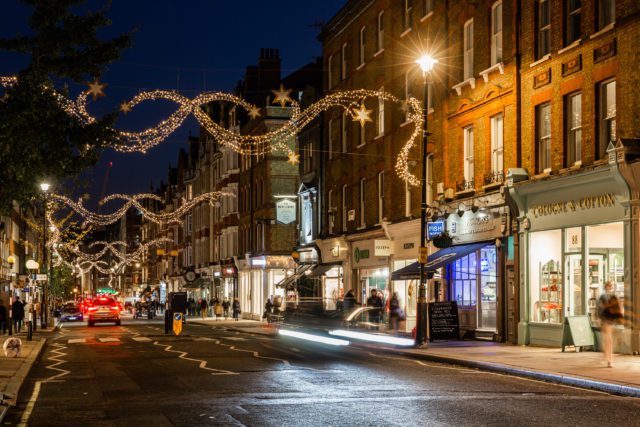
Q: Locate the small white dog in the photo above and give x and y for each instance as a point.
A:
(12, 347)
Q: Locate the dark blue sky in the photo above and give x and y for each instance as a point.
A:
(191, 46)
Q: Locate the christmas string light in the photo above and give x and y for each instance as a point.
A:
(353, 102)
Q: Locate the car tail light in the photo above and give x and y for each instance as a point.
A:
(114, 307)
(93, 308)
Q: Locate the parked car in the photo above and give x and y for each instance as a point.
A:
(104, 310)
(359, 318)
(71, 312)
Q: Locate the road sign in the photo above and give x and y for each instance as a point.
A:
(41, 277)
(423, 255)
(177, 323)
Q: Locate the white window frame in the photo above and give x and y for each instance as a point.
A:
(468, 50)
(380, 196)
(343, 62)
(606, 116)
(543, 36)
(344, 208)
(496, 33)
(329, 66)
(363, 189)
(362, 45)
(605, 19)
(427, 7)
(380, 121)
(497, 144)
(407, 14)
(468, 154)
(574, 128)
(543, 136)
(380, 32)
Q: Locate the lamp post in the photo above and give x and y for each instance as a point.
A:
(11, 260)
(44, 319)
(33, 267)
(426, 64)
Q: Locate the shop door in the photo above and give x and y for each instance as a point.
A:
(488, 289)
(574, 297)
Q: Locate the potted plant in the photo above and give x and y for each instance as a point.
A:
(443, 240)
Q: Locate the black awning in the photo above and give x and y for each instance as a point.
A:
(288, 282)
(435, 261)
(321, 270)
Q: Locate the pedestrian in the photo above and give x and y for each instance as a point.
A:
(212, 306)
(236, 309)
(3, 317)
(17, 310)
(192, 307)
(375, 301)
(268, 306)
(203, 308)
(225, 307)
(349, 301)
(610, 314)
(395, 313)
(217, 309)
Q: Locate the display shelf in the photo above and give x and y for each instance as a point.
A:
(550, 302)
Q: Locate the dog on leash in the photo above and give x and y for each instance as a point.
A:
(12, 347)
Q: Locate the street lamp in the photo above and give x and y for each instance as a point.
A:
(44, 186)
(75, 294)
(426, 64)
(32, 266)
(11, 260)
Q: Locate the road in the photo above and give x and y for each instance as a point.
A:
(134, 375)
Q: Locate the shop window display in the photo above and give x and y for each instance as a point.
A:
(406, 289)
(464, 277)
(606, 263)
(545, 277)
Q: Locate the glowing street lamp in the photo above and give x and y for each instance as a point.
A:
(44, 186)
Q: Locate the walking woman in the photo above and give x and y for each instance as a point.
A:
(610, 314)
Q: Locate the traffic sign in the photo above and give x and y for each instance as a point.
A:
(177, 323)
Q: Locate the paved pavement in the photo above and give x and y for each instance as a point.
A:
(584, 369)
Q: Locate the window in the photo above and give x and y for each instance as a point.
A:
(407, 199)
(362, 45)
(189, 192)
(607, 117)
(468, 49)
(343, 63)
(464, 272)
(329, 69)
(344, 208)
(497, 144)
(606, 13)
(330, 137)
(544, 28)
(572, 24)
(380, 32)
(331, 211)
(362, 201)
(573, 108)
(380, 121)
(345, 124)
(407, 93)
(361, 135)
(543, 137)
(407, 18)
(468, 154)
(427, 7)
(380, 197)
(496, 33)
(545, 276)
(308, 157)
(232, 117)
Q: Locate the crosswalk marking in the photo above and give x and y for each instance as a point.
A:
(77, 341)
(109, 339)
(142, 339)
(235, 338)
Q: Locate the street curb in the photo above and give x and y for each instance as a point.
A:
(573, 381)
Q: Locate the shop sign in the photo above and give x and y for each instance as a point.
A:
(285, 211)
(606, 200)
(335, 251)
(360, 254)
(408, 246)
(472, 227)
(434, 229)
(382, 247)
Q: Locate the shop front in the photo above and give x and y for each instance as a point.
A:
(575, 236)
(405, 246)
(258, 278)
(370, 264)
(334, 261)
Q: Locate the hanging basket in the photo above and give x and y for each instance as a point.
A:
(442, 241)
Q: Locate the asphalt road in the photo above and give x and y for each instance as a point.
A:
(134, 375)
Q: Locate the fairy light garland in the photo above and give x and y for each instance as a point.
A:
(352, 102)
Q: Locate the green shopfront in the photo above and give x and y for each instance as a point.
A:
(575, 234)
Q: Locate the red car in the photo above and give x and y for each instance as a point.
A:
(103, 310)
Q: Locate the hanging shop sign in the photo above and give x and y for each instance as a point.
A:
(285, 211)
(435, 229)
(360, 254)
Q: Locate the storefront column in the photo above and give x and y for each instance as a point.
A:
(523, 288)
(632, 285)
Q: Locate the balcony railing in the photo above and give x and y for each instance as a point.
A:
(466, 185)
(496, 177)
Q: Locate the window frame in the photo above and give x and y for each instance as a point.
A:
(380, 32)
(344, 207)
(543, 29)
(343, 62)
(570, 35)
(362, 45)
(573, 144)
(407, 15)
(329, 77)
(497, 144)
(363, 201)
(468, 153)
(496, 36)
(330, 138)
(330, 217)
(543, 142)
(380, 196)
(344, 133)
(407, 93)
(606, 121)
(380, 121)
(603, 20)
(467, 50)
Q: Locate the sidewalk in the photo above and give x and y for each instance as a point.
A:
(584, 369)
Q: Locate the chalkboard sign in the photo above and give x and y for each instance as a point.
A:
(443, 321)
(577, 331)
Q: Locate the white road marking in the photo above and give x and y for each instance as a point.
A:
(109, 339)
(234, 338)
(142, 339)
(77, 341)
(203, 363)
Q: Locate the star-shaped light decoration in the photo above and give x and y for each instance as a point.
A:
(362, 115)
(294, 158)
(254, 112)
(96, 89)
(282, 96)
(125, 108)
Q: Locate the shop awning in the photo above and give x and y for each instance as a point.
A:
(435, 261)
(287, 282)
(321, 270)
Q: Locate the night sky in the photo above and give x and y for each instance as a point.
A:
(191, 46)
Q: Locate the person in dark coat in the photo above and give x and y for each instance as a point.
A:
(3, 317)
(395, 313)
(225, 307)
(203, 308)
(375, 301)
(349, 301)
(17, 311)
(236, 309)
